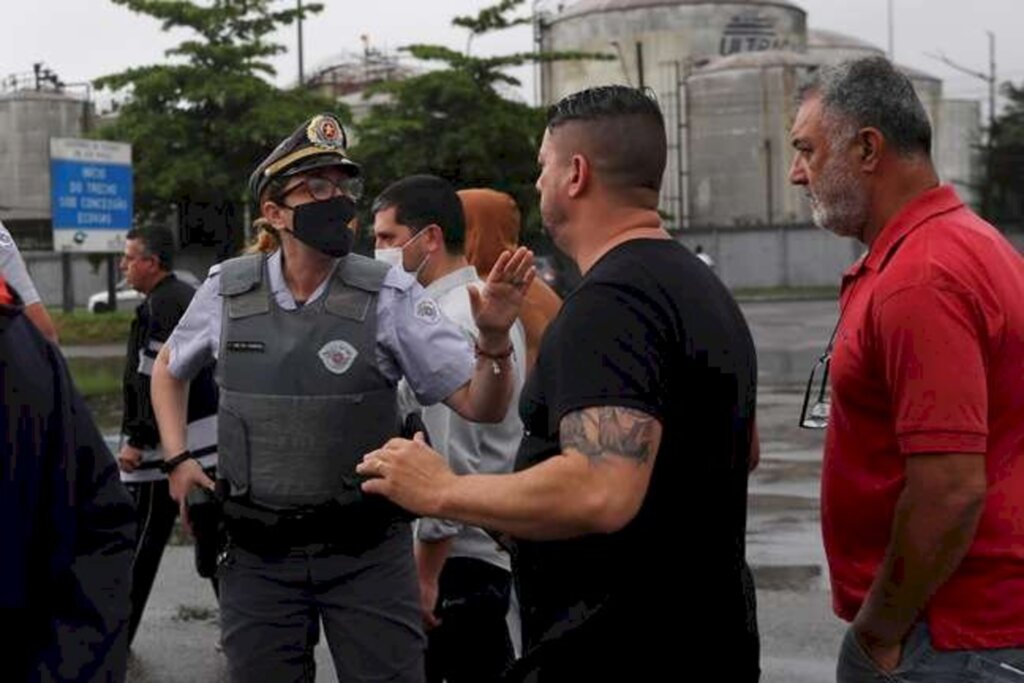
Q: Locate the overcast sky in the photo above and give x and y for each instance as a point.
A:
(84, 39)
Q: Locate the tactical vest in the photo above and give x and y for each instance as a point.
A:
(301, 396)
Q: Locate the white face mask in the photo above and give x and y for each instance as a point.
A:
(393, 255)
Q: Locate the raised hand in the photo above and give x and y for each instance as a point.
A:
(496, 306)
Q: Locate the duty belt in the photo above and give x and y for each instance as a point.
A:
(350, 529)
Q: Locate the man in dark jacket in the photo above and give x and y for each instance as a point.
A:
(68, 528)
(146, 264)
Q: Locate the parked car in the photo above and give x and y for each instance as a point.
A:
(128, 298)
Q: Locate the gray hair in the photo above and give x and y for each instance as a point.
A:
(872, 93)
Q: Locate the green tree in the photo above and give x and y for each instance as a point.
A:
(200, 124)
(454, 122)
(1005, 191)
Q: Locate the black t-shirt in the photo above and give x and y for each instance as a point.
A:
(650, 328)
(155, 320)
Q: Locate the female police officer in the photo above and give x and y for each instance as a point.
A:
(310, 341)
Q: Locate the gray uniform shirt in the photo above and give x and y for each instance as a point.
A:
(12, 268)
(470, 447)
(414, 339)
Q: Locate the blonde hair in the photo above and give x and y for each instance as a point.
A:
(266, 239)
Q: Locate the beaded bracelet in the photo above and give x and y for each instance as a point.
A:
(494, 357)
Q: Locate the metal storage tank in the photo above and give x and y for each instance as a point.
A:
(741, 108)
(831, 46)
(28, 119)
(645, 36)
(657, 43)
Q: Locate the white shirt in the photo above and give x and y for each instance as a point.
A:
(12, 268)
(470, 447)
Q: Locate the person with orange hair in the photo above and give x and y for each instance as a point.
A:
(492, 226)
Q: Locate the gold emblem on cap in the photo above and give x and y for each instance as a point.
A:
(325, 132)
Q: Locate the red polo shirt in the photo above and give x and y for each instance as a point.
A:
(929, 358)
(5, 294)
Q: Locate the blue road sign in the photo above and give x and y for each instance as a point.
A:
(91, 192)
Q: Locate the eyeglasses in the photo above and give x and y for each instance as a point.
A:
(322, 188)
(817, 405)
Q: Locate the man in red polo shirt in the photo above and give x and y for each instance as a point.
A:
(923, 478)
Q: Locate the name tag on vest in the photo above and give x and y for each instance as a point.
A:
(246, 346)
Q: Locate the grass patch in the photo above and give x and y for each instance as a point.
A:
(83, 327)
(106, 411)
(99, 382)
(97, 376)
(195, 613)
(179, 536)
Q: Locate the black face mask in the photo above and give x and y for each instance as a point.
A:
(324, 225)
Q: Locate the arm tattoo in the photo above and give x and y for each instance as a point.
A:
(597, 432)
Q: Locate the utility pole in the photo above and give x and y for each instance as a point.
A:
(989, 78)
(991, 85)
(301, 77)
(537, 47)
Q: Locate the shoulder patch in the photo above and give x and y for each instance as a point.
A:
(6, 241)
(427, 311)
(337, 356)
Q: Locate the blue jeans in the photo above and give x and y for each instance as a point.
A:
(921, 663)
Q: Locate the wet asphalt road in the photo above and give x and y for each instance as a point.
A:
(800, 637)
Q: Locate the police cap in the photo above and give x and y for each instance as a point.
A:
(317, 143)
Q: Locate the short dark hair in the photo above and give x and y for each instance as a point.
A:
(422, 200)
(156, 241)
(625, 133)
(872, 93)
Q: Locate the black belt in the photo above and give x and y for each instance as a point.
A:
(350, 529)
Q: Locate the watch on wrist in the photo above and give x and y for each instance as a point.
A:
(169, 465)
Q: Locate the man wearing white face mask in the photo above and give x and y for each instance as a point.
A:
(465, 578)
(395, 256)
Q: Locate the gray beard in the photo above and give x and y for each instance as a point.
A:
(843, 211)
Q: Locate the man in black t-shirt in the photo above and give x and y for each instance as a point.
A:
(628, 505)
